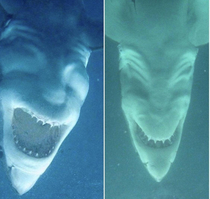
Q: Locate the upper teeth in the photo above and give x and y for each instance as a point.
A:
(41, 120)
(22, 133)
(155, 143)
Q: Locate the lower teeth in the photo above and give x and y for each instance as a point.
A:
(35, 145)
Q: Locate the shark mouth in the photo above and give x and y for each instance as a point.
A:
(155, 143)
(33, 136)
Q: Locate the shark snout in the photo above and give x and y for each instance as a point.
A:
(158, 168)
(22, 181)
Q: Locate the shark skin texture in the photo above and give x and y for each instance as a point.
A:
(44, 50)
(158, 43)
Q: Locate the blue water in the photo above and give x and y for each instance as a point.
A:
(125, 175)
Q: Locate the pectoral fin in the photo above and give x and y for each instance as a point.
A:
(94, 32)
(3, 15)
(198, 22)
(11, 6)
(119, 16)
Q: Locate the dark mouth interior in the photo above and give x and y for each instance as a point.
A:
(33, 136)
(155, 143)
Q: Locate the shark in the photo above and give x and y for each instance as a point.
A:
(44, 51)
(158, 42)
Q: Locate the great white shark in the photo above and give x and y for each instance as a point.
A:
(158, 44)
(44, 50)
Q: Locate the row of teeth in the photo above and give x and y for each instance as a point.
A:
(30, 152)
(42, 121)
(155, 143)
(33, 151)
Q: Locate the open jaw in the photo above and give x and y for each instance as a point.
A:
(155, 143)
(157, 153)
(34, 136)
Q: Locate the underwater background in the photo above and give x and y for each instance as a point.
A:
(77, 170)
(125, 175)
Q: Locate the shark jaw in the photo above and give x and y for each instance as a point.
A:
(157, 155)
(33, 136)
(30, 143)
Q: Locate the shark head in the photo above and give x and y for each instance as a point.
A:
(156, 94)
(36, 122)
(42, 91)
(35, 129)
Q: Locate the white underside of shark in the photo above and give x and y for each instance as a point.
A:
(44, 81)
(158, 43)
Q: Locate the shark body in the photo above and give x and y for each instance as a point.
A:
(158, 45)
(44, 51)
